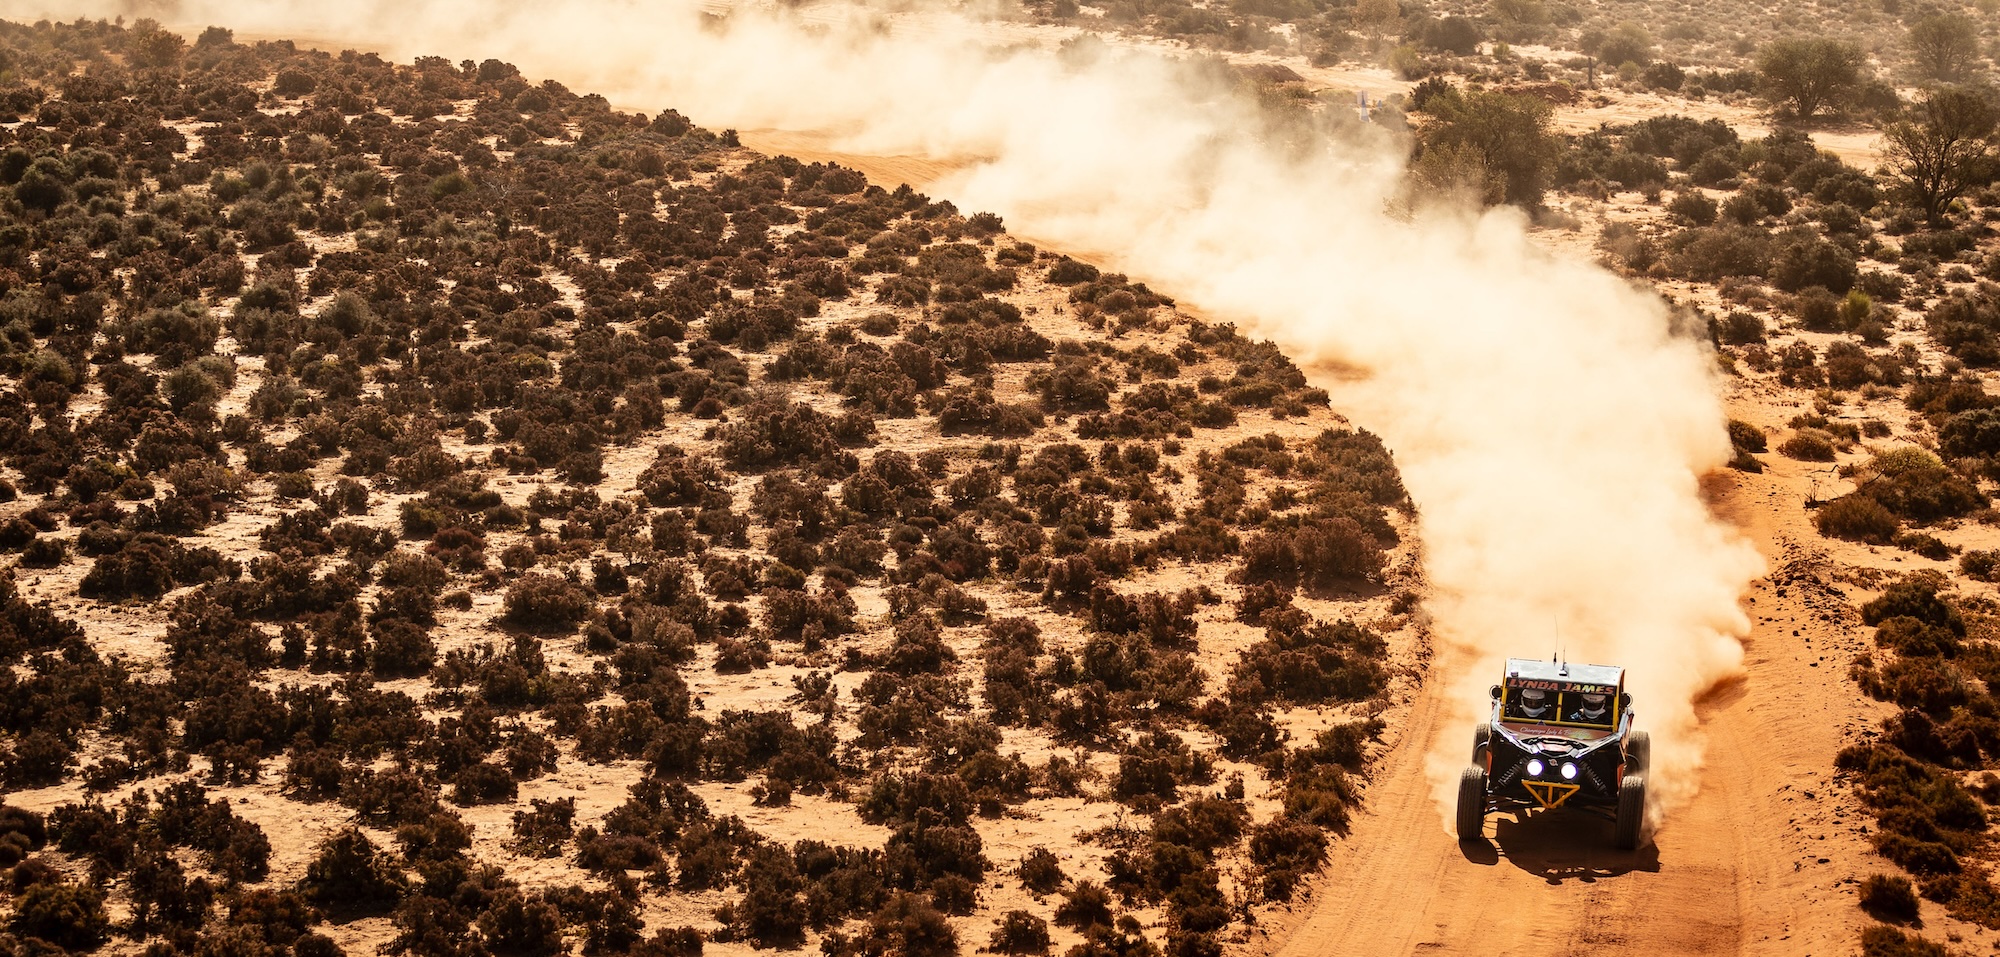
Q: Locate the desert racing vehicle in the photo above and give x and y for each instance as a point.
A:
(1560, 737)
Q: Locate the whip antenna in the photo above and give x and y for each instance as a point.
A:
(1562, 657)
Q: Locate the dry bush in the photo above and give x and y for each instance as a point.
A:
(1858, 518)
(419, 330)
(540, 602)
(1880, 941)
(1890, 898)
(1808, 446)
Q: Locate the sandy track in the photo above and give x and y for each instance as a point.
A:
(1758, 864)
(920, 172)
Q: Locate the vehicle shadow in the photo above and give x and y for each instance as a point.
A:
(1559, 846)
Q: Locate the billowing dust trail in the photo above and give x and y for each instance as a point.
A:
(1761, 862)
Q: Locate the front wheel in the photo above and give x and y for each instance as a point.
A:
(1638, 753)
(1472, 804)
(1631, 811)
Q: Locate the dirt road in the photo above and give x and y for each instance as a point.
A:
(920, 172)
(1760, 863)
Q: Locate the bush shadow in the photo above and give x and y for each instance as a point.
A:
(1560, 846)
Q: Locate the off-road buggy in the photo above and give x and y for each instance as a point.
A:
(1560, 737)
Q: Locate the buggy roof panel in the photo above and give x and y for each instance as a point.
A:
(1570, 673)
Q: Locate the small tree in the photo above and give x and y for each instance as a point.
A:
(1505, 134)
(70, 916)
(519, 926)
(1041, 872)
(1945, 150)
(1378, 18)
(1452, 35)
(1811, 75)
(154, 47)
(1625, 43)
(1019, 932)
(1944, 46)
(1889, 898)
(349, 873)
(909, 926)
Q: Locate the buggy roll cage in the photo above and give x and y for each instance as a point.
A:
(1565, 684)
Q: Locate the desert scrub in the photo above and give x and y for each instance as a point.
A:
(1858, 518)
(1808, 446)
(1889, 897)
(1980, 564)
(515, 508)
(541, 602)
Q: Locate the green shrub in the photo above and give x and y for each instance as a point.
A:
(1915, 596)
(1929, 546)
(1040, 872)
(1914, 638)
(1694, 207)
(44, 553)
(1019, 932)
(1317, 553)
(1809, 261)
(349, 873)
(1289, 851)
(546, 603)
(1712, 253)
(1808, 446)
(70, 916)
(1890, 898)
(483, 783)
(522, 926)
(1740, 329)
(1509, 136)
(1085, 906)
(670, 942)
(1926, 495)
(1857, 517)
(906, 925)
(1981, 565)
(1881, 941)
(1975, 432)
(1746, 437)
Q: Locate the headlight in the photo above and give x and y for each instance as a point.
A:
(1536, 767)
(1569, 771)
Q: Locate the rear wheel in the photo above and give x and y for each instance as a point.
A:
(1482, 737)
(1472, 804)
(1638, 753)
(1631, 811)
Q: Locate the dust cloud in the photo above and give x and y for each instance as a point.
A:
(1550, 428)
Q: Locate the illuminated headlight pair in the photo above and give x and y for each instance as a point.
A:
(1536, 767)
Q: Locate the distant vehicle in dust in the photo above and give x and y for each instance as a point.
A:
(1560, 738)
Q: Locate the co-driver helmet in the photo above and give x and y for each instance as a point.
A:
(1534, 701)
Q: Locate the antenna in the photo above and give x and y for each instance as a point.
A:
(1555, 622)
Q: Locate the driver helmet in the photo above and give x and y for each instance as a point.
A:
(1534, 701)
(1593, 706)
